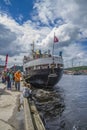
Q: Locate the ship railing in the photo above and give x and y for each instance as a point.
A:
(55, 57)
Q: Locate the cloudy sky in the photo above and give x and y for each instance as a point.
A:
(25, 21)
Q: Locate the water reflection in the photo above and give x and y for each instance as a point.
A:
(75, 90)
(50, 104)
(64, 107)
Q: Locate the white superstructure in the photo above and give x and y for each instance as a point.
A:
(44, 61)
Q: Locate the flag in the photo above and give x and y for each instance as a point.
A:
(55, 39)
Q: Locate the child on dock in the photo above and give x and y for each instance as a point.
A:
(27, 91)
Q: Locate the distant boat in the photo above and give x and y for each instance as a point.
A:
(77, 73)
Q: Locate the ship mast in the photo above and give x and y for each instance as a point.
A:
(53, 49)
(55, 40)
(33, 51)
(32, 47)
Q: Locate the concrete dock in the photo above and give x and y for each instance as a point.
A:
(11, 119)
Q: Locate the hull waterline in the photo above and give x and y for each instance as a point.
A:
(44, 78)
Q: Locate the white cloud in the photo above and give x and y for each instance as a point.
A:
(69, 21)
(15, 39)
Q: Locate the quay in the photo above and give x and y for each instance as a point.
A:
(27, 118)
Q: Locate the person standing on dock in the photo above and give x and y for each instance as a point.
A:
(13, 78)
(17, 76)
(9, 79)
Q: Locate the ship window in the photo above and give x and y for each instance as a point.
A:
(42, 66)
(59, 65)
(45, 66)
(26, 69)
(38, 67)
(34, 67)
(30, 68)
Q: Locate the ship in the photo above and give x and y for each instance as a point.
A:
(43, 71)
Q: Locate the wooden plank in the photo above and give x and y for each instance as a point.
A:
(28, 118)
(37, 120)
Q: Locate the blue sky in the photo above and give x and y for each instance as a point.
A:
(25, 21)
(17, 9)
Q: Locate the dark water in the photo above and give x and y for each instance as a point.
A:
(67, 107)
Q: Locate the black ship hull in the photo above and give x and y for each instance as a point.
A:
(44, 77)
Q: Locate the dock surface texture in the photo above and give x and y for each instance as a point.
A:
(11, 119)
